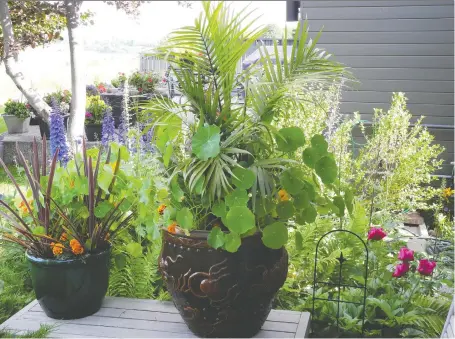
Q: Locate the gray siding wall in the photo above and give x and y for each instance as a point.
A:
(393, 46)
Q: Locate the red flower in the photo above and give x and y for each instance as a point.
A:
(149, 80)
(101, 88)
(27, 106)
(426, 267)
(376, 233)
(400, 270)
(139, 89)
(406, 254)
(164, 80)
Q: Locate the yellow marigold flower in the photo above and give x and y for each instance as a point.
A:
(447, 192)
(57, 248)
(283, 195)
(64, 237)
(161, 209)
(172, 228)
(76, 247)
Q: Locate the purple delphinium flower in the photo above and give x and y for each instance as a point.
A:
(58, 134)
(146, 137)
(122, 131)
(108, 128)
(91, 90)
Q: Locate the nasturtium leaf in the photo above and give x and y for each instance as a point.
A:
(167, 155)
(348, 199)
(40, 230)
(134, 249)
(298, 241)
(285, 210)
(292, 180)
(319, 144)
(219, 209)
(145, 192)
(152, 230)
(232, 242)
(216, 237)
(176, 191)
(326, 169)
(275, 235)
(103, 208)
(310, 157)
(240, 219)
(185, 218)
(339, 203)
(237, 197)
(244, 178)
(169, 214)
(301, 200)
(289, 139)
(206, 142)
(105, 178)
(309, 214)
(263, 207)
(162, 193)
(308, 187)
(120, 261)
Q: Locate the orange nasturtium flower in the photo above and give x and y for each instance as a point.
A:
(283, 195)
(447, 192)
(72, 184)
(64, 237)
(161, 209)
(76, 247)
(172, 228)
(23, 206)
(57, 248)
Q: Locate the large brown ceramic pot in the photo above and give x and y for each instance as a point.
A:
(222, 294)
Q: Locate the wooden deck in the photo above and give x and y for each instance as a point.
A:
(139, 318)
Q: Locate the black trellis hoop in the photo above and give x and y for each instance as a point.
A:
(341, 259)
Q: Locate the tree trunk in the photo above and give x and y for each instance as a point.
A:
(10, 58)
(77, 112)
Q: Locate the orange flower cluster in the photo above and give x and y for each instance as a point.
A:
(76, 247)
(161, 209)
(64, 237)
(23, 206)
(172, 228)
(57, 248)
(283, 195)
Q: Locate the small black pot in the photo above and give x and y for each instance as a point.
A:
(70, 289)
(93, 132)
(44, 127)
(222, 294)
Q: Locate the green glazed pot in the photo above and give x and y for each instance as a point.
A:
(70, 289)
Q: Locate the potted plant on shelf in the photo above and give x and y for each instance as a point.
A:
(119, 80)
(65, 221)
(145, 83)
(16, 116)
(95, 108)
(235, 190)
(63, 100)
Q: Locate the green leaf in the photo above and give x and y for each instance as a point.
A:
(298, 241)
(275, 235)
(167, 155)
(348, 199)
(169, 214)
(134, 249)
(199, 186)
(326, 169)
(219, 209)
(302, 200)
(310, 157)
(216, 237)
(285, 210)
(39, 230)
(105, 178)
(289, 139)
(339, 203)
(308, 215)
(103, 208)
(245, 178)
(232, 242)
(319, 144)
(240, 219)
(292, 180)
(176, 191)
(185, 218)
(206, 142)
(162, 193)
(238, 197)
(263, 207)
(120, 261)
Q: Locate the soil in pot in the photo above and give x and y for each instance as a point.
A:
(70, 289)
(93, 132)
(222, 294)
(16, 125)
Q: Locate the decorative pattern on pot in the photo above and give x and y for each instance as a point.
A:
(222, 294)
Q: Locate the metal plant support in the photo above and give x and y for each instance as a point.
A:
(341, 259)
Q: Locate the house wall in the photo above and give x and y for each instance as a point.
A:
(392, 46)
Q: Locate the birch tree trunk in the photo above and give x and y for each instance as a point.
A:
(77, 112)
(10, 58)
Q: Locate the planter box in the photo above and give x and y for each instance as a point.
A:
(16, 125)
(115, 101)
(93, 132)
(44, 127)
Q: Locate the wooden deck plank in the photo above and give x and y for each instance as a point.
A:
(123, 317)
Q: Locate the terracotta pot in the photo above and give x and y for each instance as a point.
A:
(70, 289)
(16, 125)
(222, 294)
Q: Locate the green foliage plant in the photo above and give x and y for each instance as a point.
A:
(119, 80)
(230, 168)
(94, 109)
(74, 210)
(16, 108)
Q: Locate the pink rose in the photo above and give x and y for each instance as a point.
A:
(426, 267)
(88, 115)
(406, 254)
(376, 233)
(400, 270)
